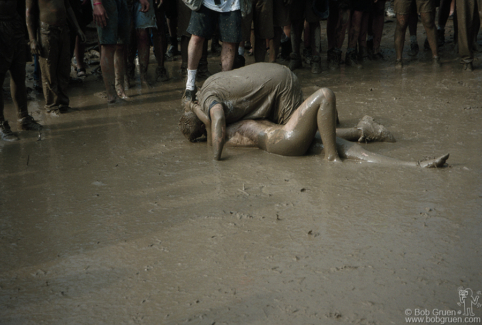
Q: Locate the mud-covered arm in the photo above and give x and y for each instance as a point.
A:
(73, 20)
(205, 119)
(218, 130)
(32, 18)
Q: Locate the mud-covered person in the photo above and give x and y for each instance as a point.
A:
(113, 19)
(261, 105)
(48, 31)
(13, 55)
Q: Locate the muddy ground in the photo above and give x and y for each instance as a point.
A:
(114, 218)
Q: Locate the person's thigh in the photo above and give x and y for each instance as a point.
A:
(230, 26)
(203, 22)
(425, 6)
(402, 7)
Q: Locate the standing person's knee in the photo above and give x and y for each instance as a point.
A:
(197, 40)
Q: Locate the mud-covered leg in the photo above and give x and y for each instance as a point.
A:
(354, 151)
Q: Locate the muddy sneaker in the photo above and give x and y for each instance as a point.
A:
(436, 62)
(6, 133)
(334, 59)
(307, 55)
(202, 71)
(414, 49)
(189, 96)
(378, 56)
(28, 123)
(468, 66)
(398, 64)
(316, 64)
(372, 131)
(239, 61)
(351, 59)
(295, 61)
(161, 74)
(362, 53)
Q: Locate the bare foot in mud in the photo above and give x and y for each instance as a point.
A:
(116, 100)
(434, 163)
(146, 83)
(121, 92)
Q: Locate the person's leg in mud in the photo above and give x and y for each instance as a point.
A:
(263, 27)
(274, 44)
(108, 72)
(143, 47)
(317, 113)
(340, 30)
(119, 68)
(202, 69)
(402, 9)
(468, 22)
(362, 38)
(295, 56)
(6, 133)
(160, 44)
(333, 55)
(412, 29)
(443, 16)
(353, 36)
(427, 15)
(377, 24)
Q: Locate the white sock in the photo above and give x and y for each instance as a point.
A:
(241, 50)
(413, 38)
(191, 79)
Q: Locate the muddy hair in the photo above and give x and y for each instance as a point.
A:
(191, 126)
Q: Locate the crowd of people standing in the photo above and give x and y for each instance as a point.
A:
(126, 28)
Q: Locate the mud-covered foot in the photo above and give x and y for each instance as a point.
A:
(28, 123)
(436, 62)
(295, 61)
(145, 83)
(351, 59)
(189, 96)
(434, 163)
(315, 64)
(398, 64)
(6, 133)
(121, 92)
(161, 74)
(202, 72)
(372, 131)
(414, 49)
(468, 66)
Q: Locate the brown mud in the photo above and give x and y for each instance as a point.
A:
(115, 218)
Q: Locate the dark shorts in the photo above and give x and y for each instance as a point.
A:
(263, 19)
(183, 18)
(281, 14)
(203, 24)
(402, 7)
(117, 29)
(303, 10)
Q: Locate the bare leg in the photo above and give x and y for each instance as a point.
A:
(119, 63)
(195, 50)
(143, 53)
(228, 53)
(402, 23)
(428, 21)
(107, 65)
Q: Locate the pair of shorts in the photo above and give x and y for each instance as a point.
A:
(281, 13)
(143, 20)
(204, 21)
(183, 18)
(303, 10)
(402, 7)
(117, 29)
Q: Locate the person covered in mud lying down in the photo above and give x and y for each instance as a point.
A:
(262, 106)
